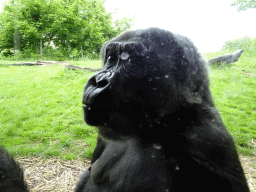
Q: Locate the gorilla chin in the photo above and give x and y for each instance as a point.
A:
(97, 116)
(106, 121)
(90, 115)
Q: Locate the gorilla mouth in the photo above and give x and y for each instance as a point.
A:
(90, 115)
(95, 116)
(102, 116)
(86, 107)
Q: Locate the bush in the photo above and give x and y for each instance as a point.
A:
(246, 43)
(49, 53)
(7, 52)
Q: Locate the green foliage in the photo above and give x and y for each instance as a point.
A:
(123, 24)
(7, 52)
(70, 25)
(246, 43)
(243, 5)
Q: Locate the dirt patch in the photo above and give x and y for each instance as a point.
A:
(55, 174)
(249, 165)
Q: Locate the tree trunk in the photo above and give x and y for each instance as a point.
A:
(41, 48)
(82, 52)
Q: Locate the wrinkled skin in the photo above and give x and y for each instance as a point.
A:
(11, 175)
(159, 130)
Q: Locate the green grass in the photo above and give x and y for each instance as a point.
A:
(41, 110)
(234, 91)
(2, 61)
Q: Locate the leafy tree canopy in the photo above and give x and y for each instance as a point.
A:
(243, 5)
(69, 24)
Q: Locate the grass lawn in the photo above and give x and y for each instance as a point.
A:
(234, 91)
(41, 112)
(41, 109)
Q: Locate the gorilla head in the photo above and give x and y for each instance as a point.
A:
(148, 75)
(158, 127)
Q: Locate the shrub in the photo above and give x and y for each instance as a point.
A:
(246, 43)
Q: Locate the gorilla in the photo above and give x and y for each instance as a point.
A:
(159, 130)
(11, 175)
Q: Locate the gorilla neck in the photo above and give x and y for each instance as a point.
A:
(155, 127)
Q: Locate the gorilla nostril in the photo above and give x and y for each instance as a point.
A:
(102, 83)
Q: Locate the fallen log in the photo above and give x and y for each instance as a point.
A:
(39, 63)
(227, 58)
(73, 67)
(25, 64)
(78, 67)
(51, 62)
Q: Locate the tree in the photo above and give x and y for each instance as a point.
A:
(123, 24)
(243, 5)
(69, 24)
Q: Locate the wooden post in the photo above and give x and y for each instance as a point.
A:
(41, 48)
(82, 52)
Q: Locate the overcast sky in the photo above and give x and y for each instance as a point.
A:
(208, 23)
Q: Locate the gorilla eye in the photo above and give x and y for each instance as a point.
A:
(112, 57)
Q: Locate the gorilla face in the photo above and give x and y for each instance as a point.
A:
(144, 79)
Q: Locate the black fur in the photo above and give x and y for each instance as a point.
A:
(11, 175)
(159, 130)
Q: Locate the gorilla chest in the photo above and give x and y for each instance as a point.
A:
(132, 168)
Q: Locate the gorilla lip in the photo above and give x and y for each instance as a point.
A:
(85, 106)
(88, 107)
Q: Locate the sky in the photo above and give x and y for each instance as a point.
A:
(207, 23)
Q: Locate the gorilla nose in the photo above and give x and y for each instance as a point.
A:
(102, 79)
(102, 83)
(96, 88)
